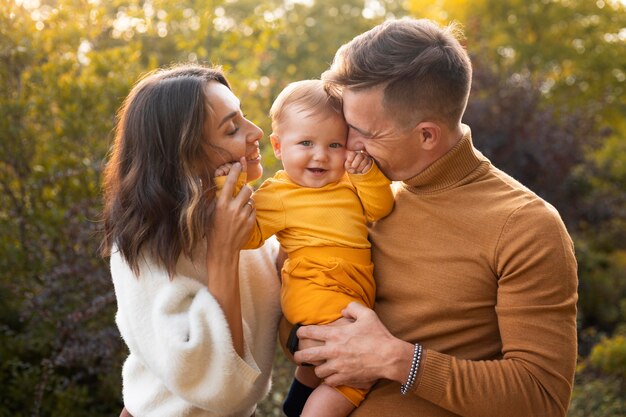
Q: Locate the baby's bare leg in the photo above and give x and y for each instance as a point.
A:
(324, 400)
(306, 375)
(328, 402)
(302, 386)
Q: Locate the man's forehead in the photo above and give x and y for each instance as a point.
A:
(375, 92)
(363, 109)
(363, 101)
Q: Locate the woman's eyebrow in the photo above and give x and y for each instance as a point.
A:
(227, 117)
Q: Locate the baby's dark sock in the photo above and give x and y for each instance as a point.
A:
(296, 398)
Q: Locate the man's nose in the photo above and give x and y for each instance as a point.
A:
(354, 143)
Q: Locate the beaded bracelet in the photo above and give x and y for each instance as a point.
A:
(415, 364)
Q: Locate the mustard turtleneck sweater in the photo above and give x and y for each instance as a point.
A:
(481, 272)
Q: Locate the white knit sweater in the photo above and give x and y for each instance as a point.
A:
(182, 361)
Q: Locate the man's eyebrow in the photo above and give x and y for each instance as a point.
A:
(361, 131)
(227, 118)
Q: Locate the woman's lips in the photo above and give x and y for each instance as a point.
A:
(255, 157)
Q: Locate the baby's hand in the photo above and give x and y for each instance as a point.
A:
(223, 170)
(358, 162)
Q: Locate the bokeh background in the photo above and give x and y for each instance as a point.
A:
(548, 106)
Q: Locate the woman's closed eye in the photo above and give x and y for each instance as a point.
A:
(235, 126)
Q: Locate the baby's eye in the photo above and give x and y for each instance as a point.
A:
(336, 145)
(306, 143)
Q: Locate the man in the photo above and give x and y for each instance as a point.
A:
(475, 311)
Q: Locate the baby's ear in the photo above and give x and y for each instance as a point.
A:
(275, 145)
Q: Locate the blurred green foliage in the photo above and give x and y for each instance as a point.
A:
(547, 106)
(598, 396)
(610, 356)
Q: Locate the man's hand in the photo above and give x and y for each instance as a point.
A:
(284, 329)
(356, 353)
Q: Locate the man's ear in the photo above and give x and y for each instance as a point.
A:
(275, 145)
(429, 134)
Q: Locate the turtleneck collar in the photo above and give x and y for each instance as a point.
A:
(447, 171)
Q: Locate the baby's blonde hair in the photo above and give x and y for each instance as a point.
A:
(308, 97)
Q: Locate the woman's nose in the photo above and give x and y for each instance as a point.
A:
(255, 134)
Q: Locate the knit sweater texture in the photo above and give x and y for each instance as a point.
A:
(481, 272)
(182, 361)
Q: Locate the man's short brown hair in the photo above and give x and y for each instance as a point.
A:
(425, 71)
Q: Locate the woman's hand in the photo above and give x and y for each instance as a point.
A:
(231, 223)
(233, 216)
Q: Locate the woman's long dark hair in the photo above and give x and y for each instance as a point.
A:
(157, 183)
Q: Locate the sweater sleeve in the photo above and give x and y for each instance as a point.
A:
(374, 190)
(270, 214)
(177, 333)
(221, 180)
(536, 311)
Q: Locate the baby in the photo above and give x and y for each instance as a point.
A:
(318, 207)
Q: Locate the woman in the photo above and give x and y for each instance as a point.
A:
(199, 319)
